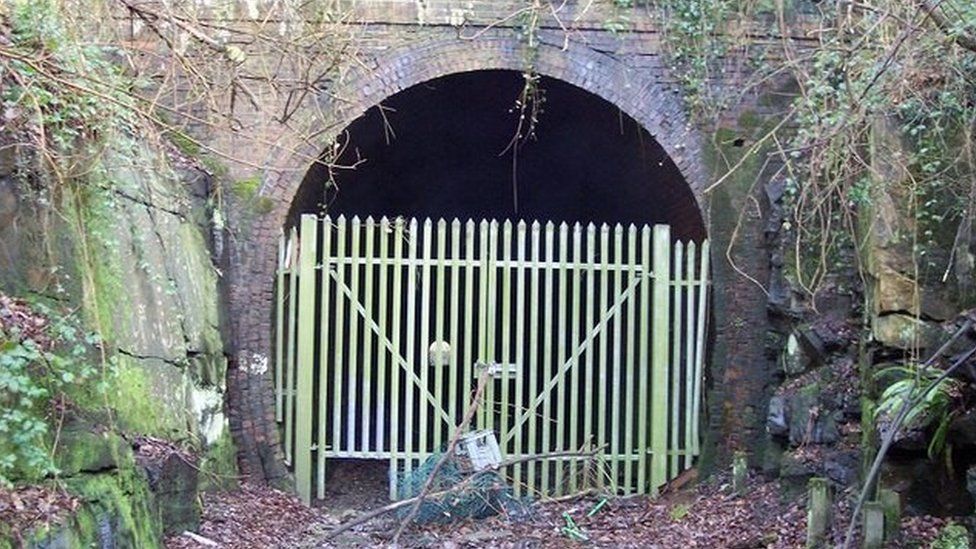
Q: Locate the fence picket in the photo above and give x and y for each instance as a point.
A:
(323, 409)
(678, 290)
(689, 347)
(292, 347)
(469, 335)
(483, 306)
(395, 394)
(410, 356)
(590, 393)
(574, 373)
(602, 387)
(352, 394)
(367, 375)
(490, 327)
(381, 351)
(700, 344)
(645, 363)
(452, 385)
(519, 351)
(279, 331)
(629, 385)
(339, 337)
(559, 410)
(438, 363)
(533, 346)
(618, 285)
(547, 351)
(506, 330)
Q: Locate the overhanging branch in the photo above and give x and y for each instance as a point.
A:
(934, 11)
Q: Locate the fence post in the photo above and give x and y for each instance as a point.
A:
(891, 502)
(740, 472)
(818, 512)
(659, 356)
(873, 525)
(306, 357)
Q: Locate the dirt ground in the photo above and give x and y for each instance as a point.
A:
(708, 515)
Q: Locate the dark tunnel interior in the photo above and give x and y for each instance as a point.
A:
(441, 150)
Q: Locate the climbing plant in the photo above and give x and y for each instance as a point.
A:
(47, 365)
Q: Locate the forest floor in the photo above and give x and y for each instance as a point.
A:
(707, 515)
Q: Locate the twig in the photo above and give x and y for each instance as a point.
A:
(200, 539)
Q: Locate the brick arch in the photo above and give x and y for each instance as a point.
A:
(643, 94)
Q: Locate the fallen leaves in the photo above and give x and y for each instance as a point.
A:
(706, 516)
(28, 509)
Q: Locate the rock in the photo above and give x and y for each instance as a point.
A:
(777, 423)
(894, 292)
(809, 421)
(971, 481)
(804, 417)
(772, 458)
(962, 430)
(834, 299)
(174, 481)
(83, 448)
(795, 360)
(175, 488)
(842, 467)
(927, 486)
(794, 474)
(901, 331)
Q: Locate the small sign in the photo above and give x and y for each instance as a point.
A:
(481, 448)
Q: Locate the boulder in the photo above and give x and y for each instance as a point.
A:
(902, 331)
(795, 359)
(842, 466)
(777, 423)
(809, 421)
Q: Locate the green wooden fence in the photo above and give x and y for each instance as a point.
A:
(595, 336)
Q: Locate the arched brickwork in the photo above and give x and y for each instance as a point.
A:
(642, 93)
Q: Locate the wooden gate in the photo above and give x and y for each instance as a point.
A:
(594, 336)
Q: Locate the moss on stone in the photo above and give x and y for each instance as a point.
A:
(218, 465)
(246, 189)
(82, 448)
(116, 511)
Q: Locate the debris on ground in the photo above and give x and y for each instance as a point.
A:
(708, 515)
(28, 509)
(254, 516)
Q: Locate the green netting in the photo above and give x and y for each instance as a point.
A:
(471, 495)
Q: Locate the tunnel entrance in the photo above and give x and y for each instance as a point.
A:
(427, 204)
(443, 149)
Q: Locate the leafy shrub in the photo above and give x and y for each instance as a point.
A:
(44, 361)
(953, 536)
(935, 408)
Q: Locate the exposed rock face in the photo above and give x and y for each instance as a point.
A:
(144, 275)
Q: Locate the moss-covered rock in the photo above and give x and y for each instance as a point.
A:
(116, 511)
(84, 448)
